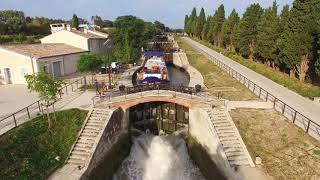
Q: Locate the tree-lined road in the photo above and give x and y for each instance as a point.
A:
(305, 106)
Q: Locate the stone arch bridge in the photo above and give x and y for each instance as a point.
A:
(106, 127)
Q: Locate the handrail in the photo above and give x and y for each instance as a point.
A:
(268, 96)
(39, 105)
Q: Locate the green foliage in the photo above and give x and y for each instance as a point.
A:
(217, 22)
(75, 21)
(269, 32)
(131, 34)
(247, 30)
(45, 85)
(205, 30)
(229, 28)
(29, 151)
(11, 22)
(201, 20)
(88, 63)
(192, 22)
(186, 27)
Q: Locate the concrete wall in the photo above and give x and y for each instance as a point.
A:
(112, 149)
(199, 130)
(180, 60)
(68, 63)
(67, 37)
(19, 66)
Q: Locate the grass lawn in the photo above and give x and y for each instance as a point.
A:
(287, 152)
(304, 89)
(217, 81)
(29, 151)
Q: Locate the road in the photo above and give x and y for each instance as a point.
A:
(304, 105)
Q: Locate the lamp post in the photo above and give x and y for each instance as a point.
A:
(109, 46)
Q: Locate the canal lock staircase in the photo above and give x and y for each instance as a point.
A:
(90, 132)
(229, 137)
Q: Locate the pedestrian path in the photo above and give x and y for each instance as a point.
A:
(305, 106)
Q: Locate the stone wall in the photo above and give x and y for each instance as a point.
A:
(113, 147)
(180, 60)
(202, 139)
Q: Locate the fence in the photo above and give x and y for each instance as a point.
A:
(296, 117)
(180, 91)
(15, 119)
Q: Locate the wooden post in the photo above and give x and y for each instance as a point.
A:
(28, 112)
(295, 116)
(283, 108)
(308, 127)
(14, 119)
(274, 102)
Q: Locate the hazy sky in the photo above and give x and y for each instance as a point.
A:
(170, 12)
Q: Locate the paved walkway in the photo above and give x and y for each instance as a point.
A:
(307, 107)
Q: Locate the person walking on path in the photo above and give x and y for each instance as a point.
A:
(96, 86)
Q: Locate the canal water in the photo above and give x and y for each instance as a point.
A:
(178, 76)
(158, 158)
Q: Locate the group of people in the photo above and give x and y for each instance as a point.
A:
(100, 91)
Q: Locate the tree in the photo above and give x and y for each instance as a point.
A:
(268, 34)
(192, 22)
(47, 88)
(247, 30)
(205, 30)
(129, 38)
(228, 29)
(295, 43)
(200, 23)
(218, 21)
(97, 21)
(75, 21)
(186, 28)
(107, 60)
(12, 22)
(88, 63)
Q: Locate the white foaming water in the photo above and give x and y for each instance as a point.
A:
(158, 158)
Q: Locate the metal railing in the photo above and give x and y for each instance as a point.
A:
(15, 119)
(157, 90)
(297, 118)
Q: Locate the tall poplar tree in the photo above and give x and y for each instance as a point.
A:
(205, 29)
(228, 28)
(186, 28)
(247, 30)
(192, 22)
(219, 19)
(201, 20)
(268, 34)
(296, 40)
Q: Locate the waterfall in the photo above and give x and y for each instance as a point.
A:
(158, 158)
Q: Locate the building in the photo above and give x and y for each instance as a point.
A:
(93, 41)
(19, 60)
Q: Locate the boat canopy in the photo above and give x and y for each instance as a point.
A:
(153, 54)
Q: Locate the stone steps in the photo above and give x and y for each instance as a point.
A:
(228, 137)
(85, 142)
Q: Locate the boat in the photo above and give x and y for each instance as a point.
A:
(154, 69)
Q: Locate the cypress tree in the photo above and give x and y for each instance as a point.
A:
(205, 29)
(186, 20)
(228, 28)
(268, 34)
(219, 19)
(212, 23)
(75, 21)
(201, 20)
(296, 40)
(247, 30)
(192, 22)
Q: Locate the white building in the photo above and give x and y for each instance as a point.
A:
(16, 61)
(93, 41)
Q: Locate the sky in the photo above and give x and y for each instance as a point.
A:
(170, 12)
